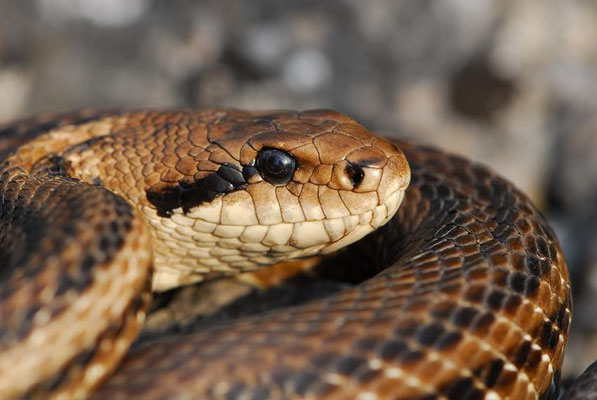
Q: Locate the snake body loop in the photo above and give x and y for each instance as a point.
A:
(467, 294)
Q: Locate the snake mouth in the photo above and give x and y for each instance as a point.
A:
(308, 238)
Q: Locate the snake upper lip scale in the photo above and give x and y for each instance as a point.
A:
(99, 208)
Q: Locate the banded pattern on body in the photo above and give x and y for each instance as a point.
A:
(472, 300)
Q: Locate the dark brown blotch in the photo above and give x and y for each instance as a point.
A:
(430, 334)
(165, 199)
(303, 380)
(448, 340)
(349, 364)
(545, 334)
(462, 389)
(464, 316)
(533, 266)
(411, 356)
(495, 299)
(521, 353)
(493, 372)
(392, 349)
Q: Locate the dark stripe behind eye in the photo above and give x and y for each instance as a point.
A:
(225, 180)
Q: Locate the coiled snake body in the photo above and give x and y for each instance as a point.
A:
(468, 295)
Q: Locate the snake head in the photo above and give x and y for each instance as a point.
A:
(297, 184)
(228, 191)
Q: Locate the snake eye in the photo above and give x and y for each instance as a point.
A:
(275, 166)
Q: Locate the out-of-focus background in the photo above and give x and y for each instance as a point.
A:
(511, 83)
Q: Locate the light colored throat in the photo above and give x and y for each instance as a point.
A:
(188, 249)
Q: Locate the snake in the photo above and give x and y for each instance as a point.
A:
(465, 292)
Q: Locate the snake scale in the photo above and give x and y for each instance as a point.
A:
(467, 293)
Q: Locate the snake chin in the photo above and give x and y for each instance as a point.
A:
(367, 222)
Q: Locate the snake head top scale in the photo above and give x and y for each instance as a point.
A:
(229, 191)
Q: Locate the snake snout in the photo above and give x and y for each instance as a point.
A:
(371, 186)
(395, 176)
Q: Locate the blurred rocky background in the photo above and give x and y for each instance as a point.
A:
(511, 83)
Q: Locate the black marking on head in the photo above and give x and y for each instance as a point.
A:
(232, 175)
(375, 160)
(226, 179)
(249, 171)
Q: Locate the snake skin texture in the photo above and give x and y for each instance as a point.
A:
(467, 293)
(51, 286)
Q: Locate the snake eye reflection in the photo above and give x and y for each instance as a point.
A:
(275, 166)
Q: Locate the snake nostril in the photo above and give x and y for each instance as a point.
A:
(355, 174)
